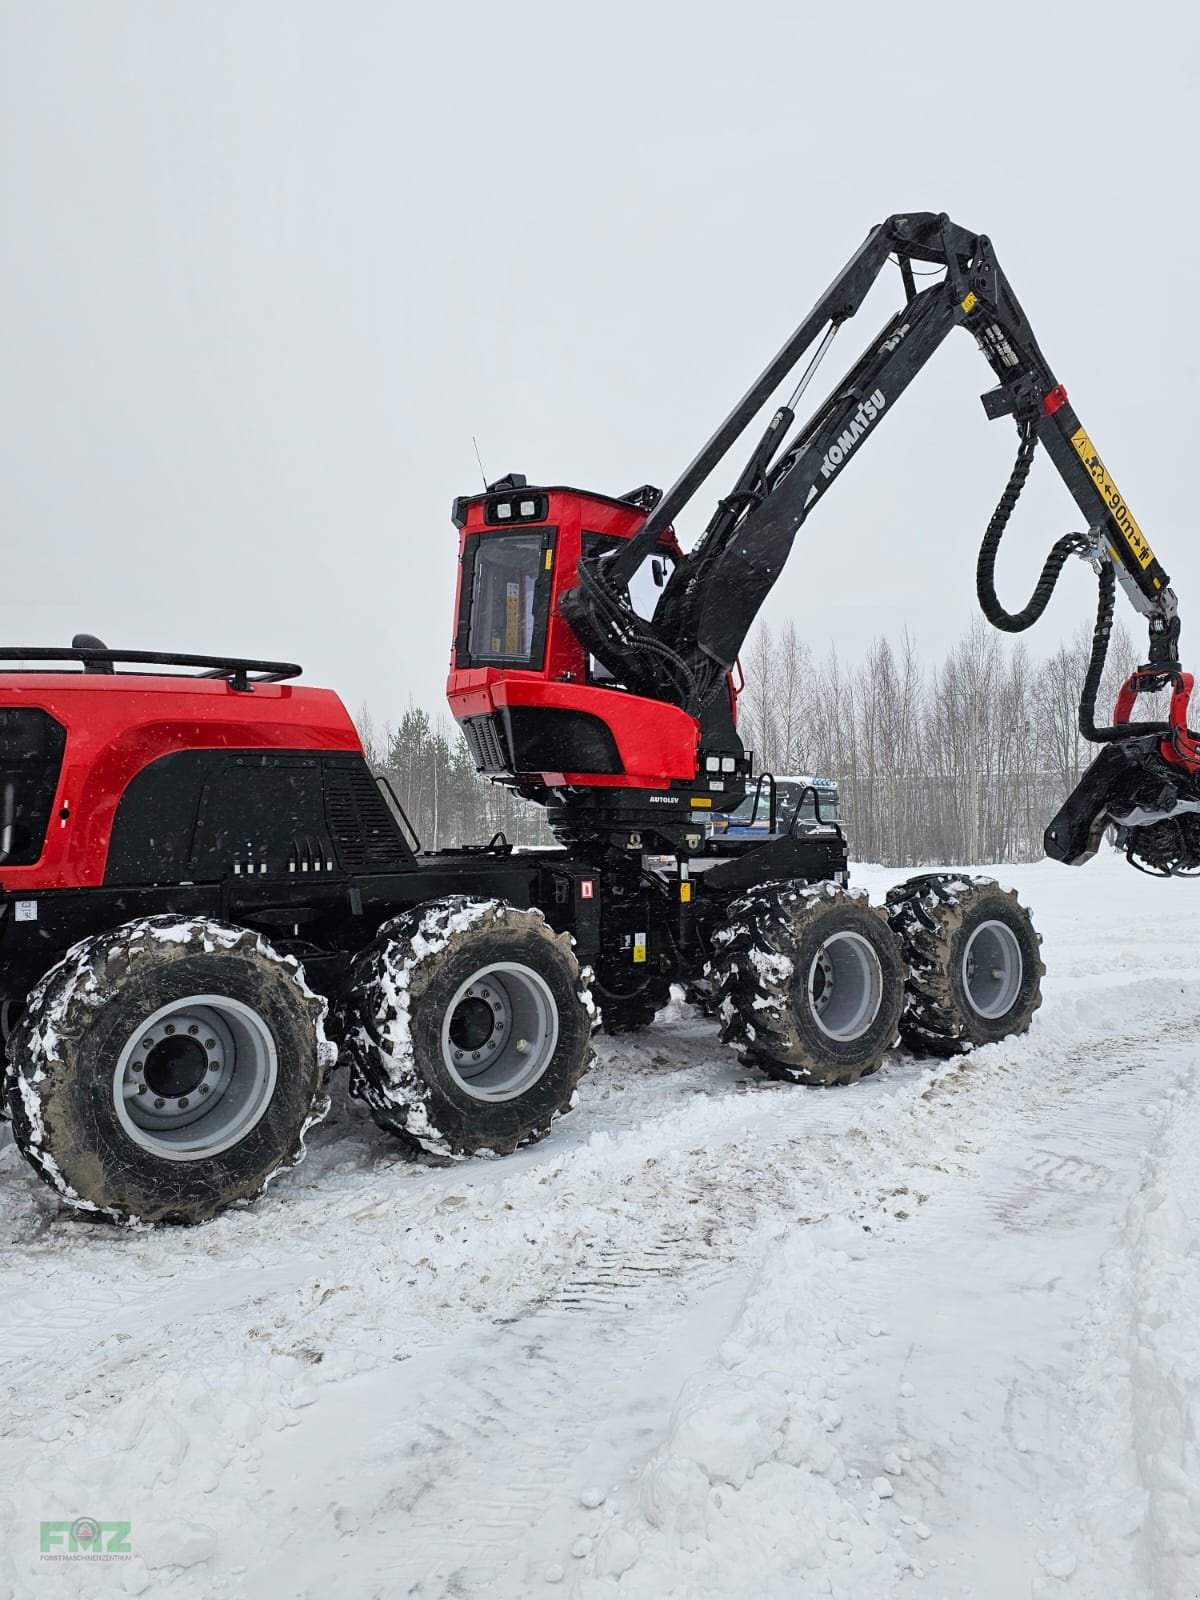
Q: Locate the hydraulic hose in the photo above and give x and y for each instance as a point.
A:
(1070, 544)
(1095, 671)
(1017, 621)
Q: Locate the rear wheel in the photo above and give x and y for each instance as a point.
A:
(808, 982)
(469, 1027)
(167, 1069)
(975, 965)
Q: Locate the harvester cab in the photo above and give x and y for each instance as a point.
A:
(539, 711)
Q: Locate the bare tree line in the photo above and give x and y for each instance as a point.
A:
(962, 761)
(426, 761)
(956, 762)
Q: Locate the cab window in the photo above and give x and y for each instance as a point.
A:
(504, 597)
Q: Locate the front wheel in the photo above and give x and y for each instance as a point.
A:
(975, 965)
(469, 1026)
(808, 982)
(167, 1069)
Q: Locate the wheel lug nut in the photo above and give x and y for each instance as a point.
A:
(170, 1028)
(159, 1104)
(214, 1066)
(210, 1044)
(141, 1088)
(183, 1103)
(203, 1088)
(193, 1028)
(147, 1043)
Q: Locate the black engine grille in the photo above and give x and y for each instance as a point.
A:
(363, 830)
(485, 741)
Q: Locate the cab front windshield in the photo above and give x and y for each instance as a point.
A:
(503, 594)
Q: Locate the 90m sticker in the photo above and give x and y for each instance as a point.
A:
(1112, 498)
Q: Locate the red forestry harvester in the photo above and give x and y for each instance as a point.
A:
(196, 862)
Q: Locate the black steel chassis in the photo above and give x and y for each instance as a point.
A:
(624, 918)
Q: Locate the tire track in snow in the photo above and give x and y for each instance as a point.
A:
(480, 1524)
(493, 1467)
(958, 1364)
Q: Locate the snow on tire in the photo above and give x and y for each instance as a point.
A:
(975, 965)
(167, 1069)
(808, 982)
(469, 1026)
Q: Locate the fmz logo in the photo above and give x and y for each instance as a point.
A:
(85, 1537)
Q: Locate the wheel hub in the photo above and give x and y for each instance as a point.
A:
(195, 1077)
(992, 970)
(845, 986)
(500, 1031)
(478, 1025)
(822, 980)
(175, 1067)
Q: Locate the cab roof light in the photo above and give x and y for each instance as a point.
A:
(529, 507)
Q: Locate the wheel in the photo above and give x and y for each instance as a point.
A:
(627, 1011)
(164, 1070)
(975, 965)
(469, 1026)
(808, 982)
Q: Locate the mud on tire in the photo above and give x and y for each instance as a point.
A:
(808, 982)
(469, 1026)
(974, 957)
(167, 1069)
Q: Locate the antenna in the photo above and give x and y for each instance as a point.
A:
(482, 473)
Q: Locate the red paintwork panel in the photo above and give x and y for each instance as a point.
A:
(118, 724)
(658, 742)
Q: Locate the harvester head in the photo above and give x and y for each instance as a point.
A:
(1145, 786)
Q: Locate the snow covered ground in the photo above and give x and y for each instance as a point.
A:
(935, 1335)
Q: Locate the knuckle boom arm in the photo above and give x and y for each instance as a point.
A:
(1145, 781)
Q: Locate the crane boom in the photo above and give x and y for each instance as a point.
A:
(719, 587)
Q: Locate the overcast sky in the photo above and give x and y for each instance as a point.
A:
(265, 268)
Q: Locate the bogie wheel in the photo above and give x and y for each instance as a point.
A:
(625, 1011)
(167, 1069)
(469, 1026)
(975, 965)
(808, 982)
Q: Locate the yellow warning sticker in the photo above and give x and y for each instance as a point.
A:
(1117, 509)
(701, 800)
(969, 302)
(685, 892)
